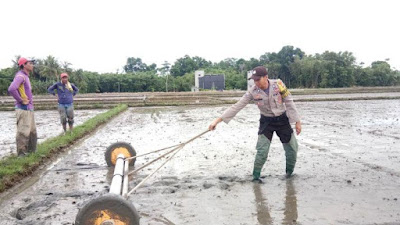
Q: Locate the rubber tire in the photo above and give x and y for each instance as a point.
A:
(107, 154)
(111, 202)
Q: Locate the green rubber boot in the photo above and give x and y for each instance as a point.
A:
(262, 147)
(256, 175)
(291, 155)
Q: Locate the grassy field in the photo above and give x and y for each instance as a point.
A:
(13, 168)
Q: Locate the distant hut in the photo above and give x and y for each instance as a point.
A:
(209, 81)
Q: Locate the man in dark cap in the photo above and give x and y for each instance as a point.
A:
(277, 111)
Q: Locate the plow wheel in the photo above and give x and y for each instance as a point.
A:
(119, 148)
(109, 209)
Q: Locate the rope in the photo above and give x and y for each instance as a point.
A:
(147, 164)
(133, 157)
(177, 149)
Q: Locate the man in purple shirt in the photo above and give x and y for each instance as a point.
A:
(21, 90)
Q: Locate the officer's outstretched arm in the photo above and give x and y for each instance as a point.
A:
(214, 124)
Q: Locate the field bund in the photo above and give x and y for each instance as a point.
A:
(109, 100)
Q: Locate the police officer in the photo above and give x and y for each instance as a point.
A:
(277, 112)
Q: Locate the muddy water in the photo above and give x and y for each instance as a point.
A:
(47, 125)
(347, 171)
(349, 96)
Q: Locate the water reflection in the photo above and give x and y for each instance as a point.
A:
(263, 215)
(290, 213)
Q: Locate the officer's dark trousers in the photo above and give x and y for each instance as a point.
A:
(280, 125)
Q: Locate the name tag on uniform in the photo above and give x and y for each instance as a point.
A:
(259, 100)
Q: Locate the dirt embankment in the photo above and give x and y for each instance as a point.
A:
(109, 100)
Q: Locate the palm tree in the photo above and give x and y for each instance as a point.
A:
(50, 68)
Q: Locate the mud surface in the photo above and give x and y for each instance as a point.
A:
(348, 96)
(47, 125)
(347, 170)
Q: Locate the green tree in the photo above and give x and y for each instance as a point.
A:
(228, 63)
(164, 71)
(49, 69)
(241, 66)
(93, 81)
(134, 65)
(77, 77)
(6, 77)
(183, 83)
(15, 67)
(273, 70)
(363, 76)
(66, 68)
(340, 67)
(307, 72)
(285, 57)
(281, 62)
(382, 74)
(252, 63)
(188, 64)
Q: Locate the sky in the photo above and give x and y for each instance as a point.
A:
(100, 35)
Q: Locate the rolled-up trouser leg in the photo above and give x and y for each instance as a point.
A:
(26, 132)
(291, 154)
(22, 137)
(263, 144)
(63, 114)
(70, 115)
(33, 134)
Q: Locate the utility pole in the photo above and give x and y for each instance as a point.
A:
(166, 84)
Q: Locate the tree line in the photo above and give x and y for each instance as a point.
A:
(292, 65)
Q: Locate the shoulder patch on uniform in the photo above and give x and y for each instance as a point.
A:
(282, 89)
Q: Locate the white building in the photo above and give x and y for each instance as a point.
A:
(250, 83)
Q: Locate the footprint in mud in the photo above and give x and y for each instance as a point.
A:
(165, 185)
(166, 181)
(155, 115)
(169, 190)
(170, 185)
(225, 182)
(207, 185)
(188, 120)
(33, 208)
(224, 186)
(232, 179)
